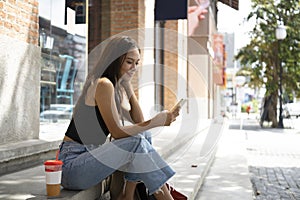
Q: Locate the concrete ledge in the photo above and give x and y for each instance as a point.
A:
(193, 160)
(165, 143)
(21, 155)
(25, 148)
(91, 193)
(31, 184)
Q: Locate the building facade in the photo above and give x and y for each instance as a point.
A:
(47, 46)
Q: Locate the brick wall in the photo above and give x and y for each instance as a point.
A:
(94, 24)
(122, 15)
(19, 20)
(171, 62)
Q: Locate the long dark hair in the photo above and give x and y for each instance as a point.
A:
(111, 58)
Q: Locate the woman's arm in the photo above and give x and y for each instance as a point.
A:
(105, 100)
(135, 112)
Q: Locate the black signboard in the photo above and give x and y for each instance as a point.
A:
(79, 6)
(170, 9)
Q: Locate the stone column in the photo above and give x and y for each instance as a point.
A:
(19, 71)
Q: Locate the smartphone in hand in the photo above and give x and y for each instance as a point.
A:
(203, 3)
(180, 103)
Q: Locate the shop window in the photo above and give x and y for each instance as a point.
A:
(63, 54)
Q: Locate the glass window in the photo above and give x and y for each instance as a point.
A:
(63, 54)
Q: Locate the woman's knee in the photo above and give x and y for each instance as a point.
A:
(121, 146)
(136, 144)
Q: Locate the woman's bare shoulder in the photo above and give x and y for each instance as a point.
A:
(104, 81)
(104, 84)
(104, 92)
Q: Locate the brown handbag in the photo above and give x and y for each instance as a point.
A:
(142, 193)
(176, 194)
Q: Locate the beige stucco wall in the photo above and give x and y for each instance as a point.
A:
(19, 90)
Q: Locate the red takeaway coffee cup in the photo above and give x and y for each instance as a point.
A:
(53, 171)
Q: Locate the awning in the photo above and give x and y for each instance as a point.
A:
(232, 3)
(170, 9)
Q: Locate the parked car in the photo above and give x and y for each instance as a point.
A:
(291, 110)
(57, 111)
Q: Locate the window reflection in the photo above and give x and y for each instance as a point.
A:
(63, 54)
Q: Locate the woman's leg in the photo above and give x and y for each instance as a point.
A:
(148, 167)
(128, 191)
(133, 155)
(85, 167)
(163, 194)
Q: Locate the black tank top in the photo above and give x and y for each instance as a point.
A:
(87, 125)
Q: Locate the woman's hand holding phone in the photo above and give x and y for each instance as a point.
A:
(165, 118)
(203, 4)
(179, 105)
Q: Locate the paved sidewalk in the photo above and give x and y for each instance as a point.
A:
(274, 163)
(228, 177)
(255, 163)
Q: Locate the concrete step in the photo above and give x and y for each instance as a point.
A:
(16, 156)
(30, 183)
(24, 154)
(193, 160)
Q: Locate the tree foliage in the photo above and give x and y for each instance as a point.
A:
(262, 56)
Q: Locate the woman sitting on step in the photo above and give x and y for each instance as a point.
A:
(106, 101)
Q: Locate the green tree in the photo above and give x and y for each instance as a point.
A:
(260, 58)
